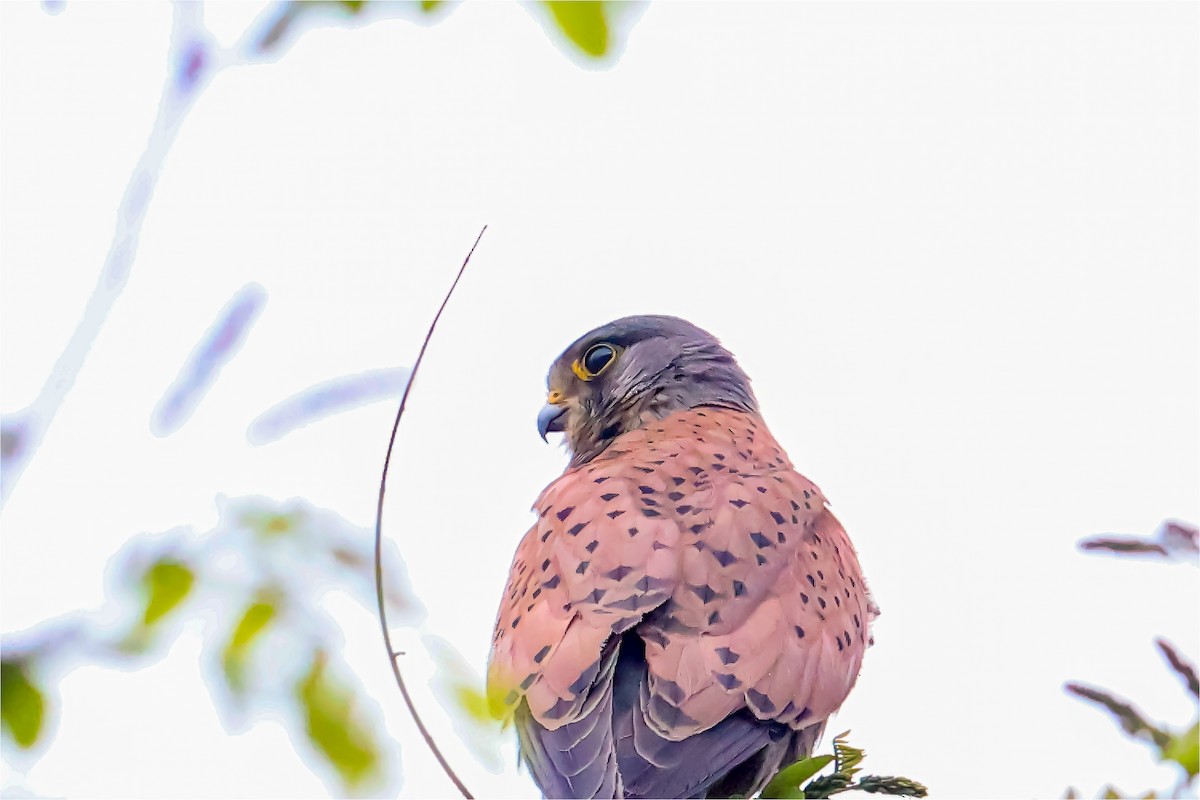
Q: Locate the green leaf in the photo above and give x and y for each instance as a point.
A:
(167, 583)
(846, 758)
(1184, 750)
(583, 22)
(331, 726)
(254, 620)
(787, 782)
(22, 704)
(428, 6)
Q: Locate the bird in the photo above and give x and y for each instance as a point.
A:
(685, 613)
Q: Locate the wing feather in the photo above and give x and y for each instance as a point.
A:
(685, 613)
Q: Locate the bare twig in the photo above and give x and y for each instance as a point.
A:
(387, 460)
(326, 399)
(1180, 664)
(190, 65)
(193, 59)
(1128, 717)
(220, 343)
(1127, 545)
(1174, 540)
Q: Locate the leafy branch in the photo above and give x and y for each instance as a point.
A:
(1173, 541)
(263, 559)
(790, 782)
(257, 574)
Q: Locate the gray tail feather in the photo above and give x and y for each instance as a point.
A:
(612, 752)
(578, 759)
(736, 756)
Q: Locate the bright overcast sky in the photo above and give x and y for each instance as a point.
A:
(955, 246)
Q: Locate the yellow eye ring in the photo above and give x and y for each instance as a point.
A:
(595, 361)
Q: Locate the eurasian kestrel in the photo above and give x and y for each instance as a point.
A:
(686, 613)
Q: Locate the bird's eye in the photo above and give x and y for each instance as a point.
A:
(597, 359)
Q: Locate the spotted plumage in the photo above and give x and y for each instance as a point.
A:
(686, 612)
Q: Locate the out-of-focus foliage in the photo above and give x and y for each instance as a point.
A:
(790, 781)
(261, 573)
(334, 728)
(583, 22)
(1174, 541)
(166, 584)
(460, 687)
(249, 628)
(24, 704)
(587, 26)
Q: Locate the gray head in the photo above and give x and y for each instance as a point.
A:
(634, 371)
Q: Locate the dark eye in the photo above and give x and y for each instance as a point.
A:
(598, 357)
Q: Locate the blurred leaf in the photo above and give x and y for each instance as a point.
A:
(268, 560)
(250, 626)
(269, 524)
(1178, 663)
(331, 726)
(459, 688)
(583, 22)
(787, 782)
(353, 6)
(498, 695)
(430, 5)
(1184, 750)
(166, 583)
(473, 702)
(22, 704)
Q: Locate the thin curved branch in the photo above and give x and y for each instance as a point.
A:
(387, 460)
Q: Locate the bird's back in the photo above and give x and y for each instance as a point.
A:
(683, 617)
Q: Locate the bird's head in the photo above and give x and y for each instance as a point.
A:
(634, 371)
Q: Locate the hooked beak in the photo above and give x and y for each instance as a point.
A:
(550, 418)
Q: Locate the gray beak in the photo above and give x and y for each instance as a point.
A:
(550, 419)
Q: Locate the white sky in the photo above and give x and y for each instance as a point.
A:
(954, 245)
